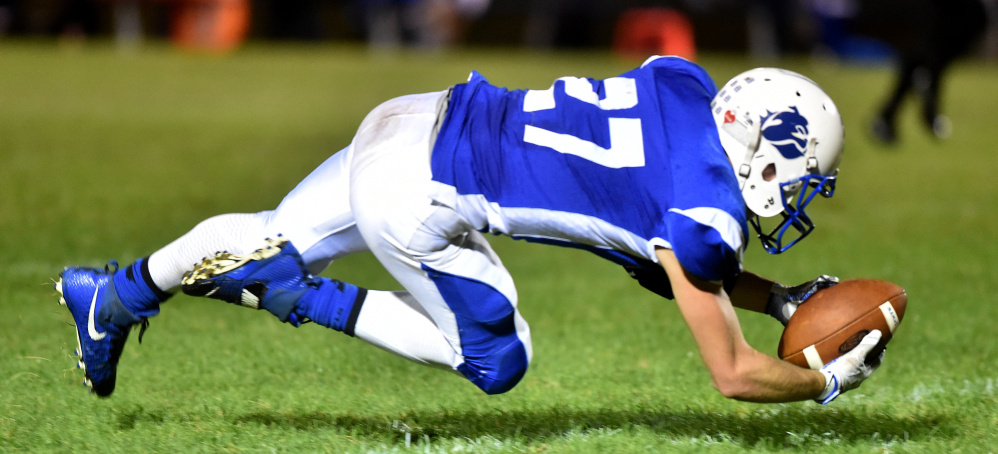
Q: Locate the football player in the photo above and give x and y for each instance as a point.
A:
(654, 169)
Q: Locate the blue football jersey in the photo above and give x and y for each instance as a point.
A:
(617, 166)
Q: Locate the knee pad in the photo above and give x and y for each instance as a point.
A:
(497, 372)
(495, 359)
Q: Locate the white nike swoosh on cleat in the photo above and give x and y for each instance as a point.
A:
(91, 327)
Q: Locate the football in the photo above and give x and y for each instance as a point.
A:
(834, 320)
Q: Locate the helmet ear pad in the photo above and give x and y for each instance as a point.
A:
(763, 193)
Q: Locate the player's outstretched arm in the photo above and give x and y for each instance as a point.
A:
(737, 370)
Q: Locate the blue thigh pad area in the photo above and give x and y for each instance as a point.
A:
(494, 357)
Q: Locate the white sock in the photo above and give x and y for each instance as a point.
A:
(395, 322)
(235, 233)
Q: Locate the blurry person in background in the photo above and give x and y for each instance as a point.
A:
(421, 23)
(937, 33)
(78, 20)
(6, 16)
(447, 21)
(565, 23)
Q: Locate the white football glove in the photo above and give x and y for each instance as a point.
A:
(849, 370)
(783, 300)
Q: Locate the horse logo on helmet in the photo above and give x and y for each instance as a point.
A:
(787, 131)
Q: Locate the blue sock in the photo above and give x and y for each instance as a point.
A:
(136, 289)
(334, 304)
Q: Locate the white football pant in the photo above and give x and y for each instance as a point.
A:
(459, 309)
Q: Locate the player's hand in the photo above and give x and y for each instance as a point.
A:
(849, 370)
(783, 300)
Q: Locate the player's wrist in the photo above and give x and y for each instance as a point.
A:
(778, 305)
(832, 387)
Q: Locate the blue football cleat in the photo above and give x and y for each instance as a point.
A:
(102, 323)
(273, 278)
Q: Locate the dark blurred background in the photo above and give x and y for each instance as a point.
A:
(917, 39)
(866, 30)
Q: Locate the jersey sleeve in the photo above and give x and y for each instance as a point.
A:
(684, 68)
(707, 242)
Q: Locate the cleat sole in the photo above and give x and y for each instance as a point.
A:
(79, 345)
(223, 262)
(58, 288)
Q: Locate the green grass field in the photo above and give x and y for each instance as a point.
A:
(109, 156)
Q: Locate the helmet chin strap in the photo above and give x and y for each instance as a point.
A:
(748, 133)
(812, 161)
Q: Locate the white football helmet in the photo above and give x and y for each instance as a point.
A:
(783, 136)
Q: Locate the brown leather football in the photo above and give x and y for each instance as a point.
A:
(833, 321)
